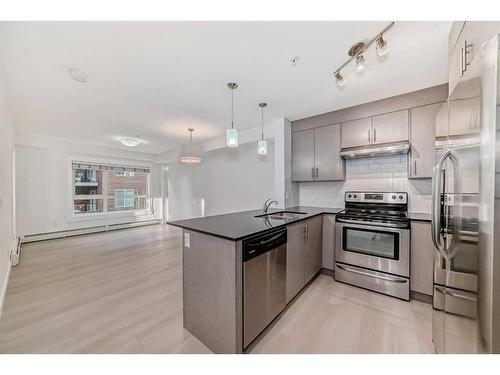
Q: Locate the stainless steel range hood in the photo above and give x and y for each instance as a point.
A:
(399, 148)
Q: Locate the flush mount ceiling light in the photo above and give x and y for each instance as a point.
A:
(357, 50)
(262, 145)
(129, 141)
(190, 154)
(232, 134)
(78, 75)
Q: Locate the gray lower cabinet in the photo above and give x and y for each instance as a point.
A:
(304, 252)
(313, 247)
(295, 259)
(328, 241)
(316, 154)
(422, 258)
(422, 137)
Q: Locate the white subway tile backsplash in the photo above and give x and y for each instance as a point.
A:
(388, 173)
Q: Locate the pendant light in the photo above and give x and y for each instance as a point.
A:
(232, 134)
(190, 154)
(262, 145)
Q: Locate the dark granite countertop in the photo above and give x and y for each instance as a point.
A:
(417, 216)
(238, 225)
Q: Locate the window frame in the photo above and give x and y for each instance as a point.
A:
(133, 196)
(105, 214)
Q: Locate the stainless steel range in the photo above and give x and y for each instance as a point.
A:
(372, 242)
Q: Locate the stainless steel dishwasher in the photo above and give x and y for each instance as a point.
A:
(264, 281)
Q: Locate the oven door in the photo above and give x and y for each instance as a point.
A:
(377, 248)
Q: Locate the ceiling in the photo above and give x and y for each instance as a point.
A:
(156, 79)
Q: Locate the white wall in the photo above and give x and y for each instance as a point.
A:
(387, 173)
(228, 180)
(6, 194)
(43, 184)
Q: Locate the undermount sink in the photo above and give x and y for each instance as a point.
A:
(282, 215)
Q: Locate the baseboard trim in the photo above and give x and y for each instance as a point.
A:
(327, 271)
(422, 297)
(4, 288)
(89, 230)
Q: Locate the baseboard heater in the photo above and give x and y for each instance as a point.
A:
(89, 230)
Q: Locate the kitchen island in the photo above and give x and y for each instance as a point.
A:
(213, 308)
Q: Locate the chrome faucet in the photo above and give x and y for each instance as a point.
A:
(268, 203)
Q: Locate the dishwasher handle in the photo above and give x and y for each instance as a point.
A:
(262, 243)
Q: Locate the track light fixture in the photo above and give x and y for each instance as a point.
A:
(356, 52)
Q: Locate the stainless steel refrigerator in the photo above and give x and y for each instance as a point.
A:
(465, 201)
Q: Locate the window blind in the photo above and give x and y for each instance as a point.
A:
(109, 167)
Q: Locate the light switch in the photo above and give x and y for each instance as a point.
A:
(187, 239)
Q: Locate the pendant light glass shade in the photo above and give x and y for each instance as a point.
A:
(232, 134)
(190, 153)
(232, 138)
(262, 144)
(262, 147)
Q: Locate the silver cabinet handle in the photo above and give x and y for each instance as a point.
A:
(465, 50)
(374, 134)
(415, 167)
(312, 175)
(369, 136)
(393, 280)
(317, 172)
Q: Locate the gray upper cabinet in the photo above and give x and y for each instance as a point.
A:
(422, 129)
(390, 127)
(316, 154)
(465, 41)
(328, 163)
(464, 116)
(303, 156)
(356, 133)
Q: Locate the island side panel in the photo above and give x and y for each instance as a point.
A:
(212, 291)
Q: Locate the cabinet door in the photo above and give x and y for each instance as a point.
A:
(313, 248)
(295, 259)
(464, 116)
(303, 155)
(356, 132)
(422, 130)
(328, 241)
(422, 252)
(328, 163)
(390, 127)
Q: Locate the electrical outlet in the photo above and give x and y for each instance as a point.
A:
(187, 239)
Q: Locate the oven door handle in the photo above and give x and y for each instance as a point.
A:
(437, 176)
(391, 279)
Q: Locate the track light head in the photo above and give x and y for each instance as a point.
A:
(360, 63)
(382, 46)
(340, 79)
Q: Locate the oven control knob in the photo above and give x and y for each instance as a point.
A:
(349, 196)
(400, 197)
(393, 197)
(355, 195)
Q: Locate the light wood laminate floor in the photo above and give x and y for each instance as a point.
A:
(121, 292)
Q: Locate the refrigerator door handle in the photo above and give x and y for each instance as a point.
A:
(436, 203)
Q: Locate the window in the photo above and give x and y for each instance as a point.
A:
(108, 188)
